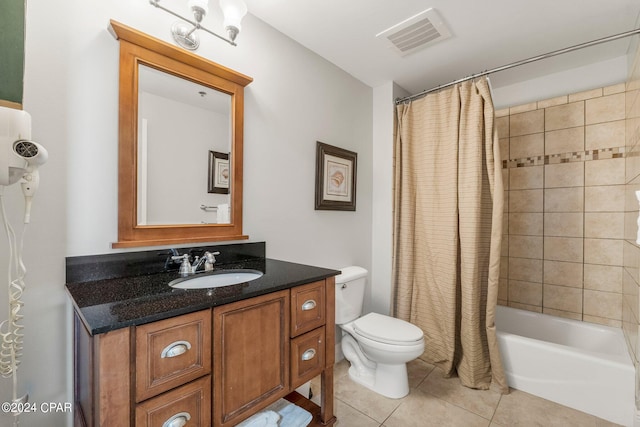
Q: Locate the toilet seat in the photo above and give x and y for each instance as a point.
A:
(388, 330)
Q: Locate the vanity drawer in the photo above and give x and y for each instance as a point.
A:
(172, 352)
(189, 405)
(307, 307)
(307, 356)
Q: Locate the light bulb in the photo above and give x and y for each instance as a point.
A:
(233, 11)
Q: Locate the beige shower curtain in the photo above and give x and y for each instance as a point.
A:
(447, 229)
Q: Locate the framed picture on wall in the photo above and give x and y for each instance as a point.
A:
(335, 178)
(219, 173)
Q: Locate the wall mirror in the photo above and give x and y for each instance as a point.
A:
(180, 145)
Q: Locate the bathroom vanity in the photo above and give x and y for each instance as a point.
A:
(146, 354)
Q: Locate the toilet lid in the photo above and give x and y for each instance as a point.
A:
(387, 329)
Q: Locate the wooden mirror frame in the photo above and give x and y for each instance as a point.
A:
(139, 48)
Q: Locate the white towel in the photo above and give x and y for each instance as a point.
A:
(223, 213)
(292, 415)
(261, 419)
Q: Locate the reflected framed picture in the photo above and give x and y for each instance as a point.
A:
(219, 173)
(335, 178)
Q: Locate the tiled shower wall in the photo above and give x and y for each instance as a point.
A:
(564, 176)
(631, 279)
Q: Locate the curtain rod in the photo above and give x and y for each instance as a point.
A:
(522, 62)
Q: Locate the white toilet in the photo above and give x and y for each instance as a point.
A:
(377, 346)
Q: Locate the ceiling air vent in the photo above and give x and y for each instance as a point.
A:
(415, 33)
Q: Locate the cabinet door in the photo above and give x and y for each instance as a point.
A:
(251, 356)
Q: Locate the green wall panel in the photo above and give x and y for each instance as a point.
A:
(11, 50)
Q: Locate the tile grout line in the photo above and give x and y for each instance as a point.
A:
(496, 408)
(359, 411)
(456, 405)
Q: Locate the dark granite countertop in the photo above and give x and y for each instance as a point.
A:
(113, 303)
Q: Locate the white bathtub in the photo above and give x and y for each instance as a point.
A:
(576, 364)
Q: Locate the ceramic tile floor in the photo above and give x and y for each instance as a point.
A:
(441, 402)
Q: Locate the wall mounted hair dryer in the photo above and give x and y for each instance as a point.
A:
(35, 155)
(19, 156)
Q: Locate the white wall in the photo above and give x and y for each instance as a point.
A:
(382, 220)
(71, 92)
(47, 355)
(300, 102)
(599, 74)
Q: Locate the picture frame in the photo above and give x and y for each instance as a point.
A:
(219, 173)
(336, 172)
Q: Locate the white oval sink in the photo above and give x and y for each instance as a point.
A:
(216, 280)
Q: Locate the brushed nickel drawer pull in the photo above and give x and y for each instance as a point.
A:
(178, 420)
(176, 348)
(308, 355)
(308, 305)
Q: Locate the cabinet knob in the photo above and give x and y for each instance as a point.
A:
(174, 349)
(308, 305)
(308, 355)
(177, 420)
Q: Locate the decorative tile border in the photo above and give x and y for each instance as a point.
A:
(575, 156)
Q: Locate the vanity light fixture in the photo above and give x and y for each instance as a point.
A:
(186, 36)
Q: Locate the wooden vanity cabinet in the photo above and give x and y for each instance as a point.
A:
(213, 367)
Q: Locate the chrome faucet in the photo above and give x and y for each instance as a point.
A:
(186, 268)
(209, 260)
(185, 265)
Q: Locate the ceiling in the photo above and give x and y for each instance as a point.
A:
(485, 35)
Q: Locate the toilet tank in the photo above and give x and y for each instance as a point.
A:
(350, 294)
